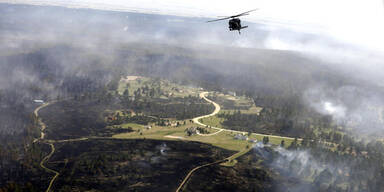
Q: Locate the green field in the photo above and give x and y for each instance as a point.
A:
(213, 121)
(223, 139)
(169, 89)
(230, 103)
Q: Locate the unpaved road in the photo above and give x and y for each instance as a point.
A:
(216, 111)
(40, 122)
(195, 169)
(174, 137)
(46, 158)
(41, 138)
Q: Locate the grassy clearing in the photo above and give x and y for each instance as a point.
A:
(223, 139)
(132, 85)
(232, 103)
(274, 140)
(168, 88)
(133, 125)
(252, 110)
(156, 132)
(213, 121)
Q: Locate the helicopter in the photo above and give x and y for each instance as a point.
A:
(234, 22)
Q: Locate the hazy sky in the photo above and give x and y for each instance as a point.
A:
(358, 22)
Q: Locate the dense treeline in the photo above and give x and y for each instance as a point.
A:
(287, 116)
(148, 100)
(174, 110)
(139, 119)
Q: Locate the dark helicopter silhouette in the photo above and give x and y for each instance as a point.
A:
(234, 22)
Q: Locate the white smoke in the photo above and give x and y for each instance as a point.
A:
(358, 110)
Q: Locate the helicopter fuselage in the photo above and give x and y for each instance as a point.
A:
(235, 24)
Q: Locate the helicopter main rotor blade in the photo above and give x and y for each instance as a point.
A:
(219, 19)
(245, 13)
(239, 15)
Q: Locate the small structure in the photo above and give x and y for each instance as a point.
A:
(232, 93)
(148, 127)
(173, 124)
(131, 78)
(241, 137)
(38, 101)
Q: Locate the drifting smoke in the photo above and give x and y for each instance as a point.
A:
(350, 60)
(302, 165)
(358, 109)
(163, 148)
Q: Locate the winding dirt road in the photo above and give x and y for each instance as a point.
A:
(40, 122)
(46, 158)
(41, 138)
(216, 111)
(195, 169)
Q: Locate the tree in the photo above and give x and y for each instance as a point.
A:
(126, 93)
(293, 144)
(282, 144)
(304, 142)
(265, 140)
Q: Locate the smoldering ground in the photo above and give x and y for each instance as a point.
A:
(359, 109)
(311, 170)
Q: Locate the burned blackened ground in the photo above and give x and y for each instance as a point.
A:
(71, 119)
(83, 117)
(129, 165)
(247, 175)
(24, 174)
(255, 171)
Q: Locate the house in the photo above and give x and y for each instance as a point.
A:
(148, 127)
(232, 93)
(173, 124)
(191, 131)
(240, 137)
